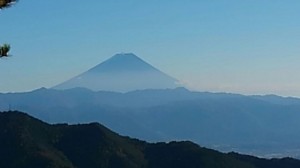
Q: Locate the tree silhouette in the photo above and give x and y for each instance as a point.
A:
(4, 49)
(6, 3)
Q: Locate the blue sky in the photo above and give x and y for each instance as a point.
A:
(248, 47)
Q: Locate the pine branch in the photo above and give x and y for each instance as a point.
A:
(4, 50)
(6, 3)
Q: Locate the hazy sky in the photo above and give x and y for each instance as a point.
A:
(240, 46)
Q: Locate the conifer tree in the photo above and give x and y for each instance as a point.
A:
(4, 49)
(6, 3)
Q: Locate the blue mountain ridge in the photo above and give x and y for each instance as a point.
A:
(254, 125)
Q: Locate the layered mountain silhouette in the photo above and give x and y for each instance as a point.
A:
(26, 142)
(258, 125)
(155, 109)
(121, 73)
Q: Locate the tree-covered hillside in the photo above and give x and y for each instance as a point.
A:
(28, 142)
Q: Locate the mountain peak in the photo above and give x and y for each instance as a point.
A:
(121, 73)
(127, 55)
(122, 62)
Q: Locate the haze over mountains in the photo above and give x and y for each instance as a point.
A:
(259, 125)
(121, 73)
(153, 109)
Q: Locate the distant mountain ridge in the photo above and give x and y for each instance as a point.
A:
(259, 125)
(121, 73)
(26, 142)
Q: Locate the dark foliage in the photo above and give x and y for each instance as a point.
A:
(4, 50)
(6, 3)
(6, 47)
(28, 142)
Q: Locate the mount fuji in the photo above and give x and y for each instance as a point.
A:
(121, 73)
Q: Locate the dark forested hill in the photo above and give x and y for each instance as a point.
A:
(28, 142)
